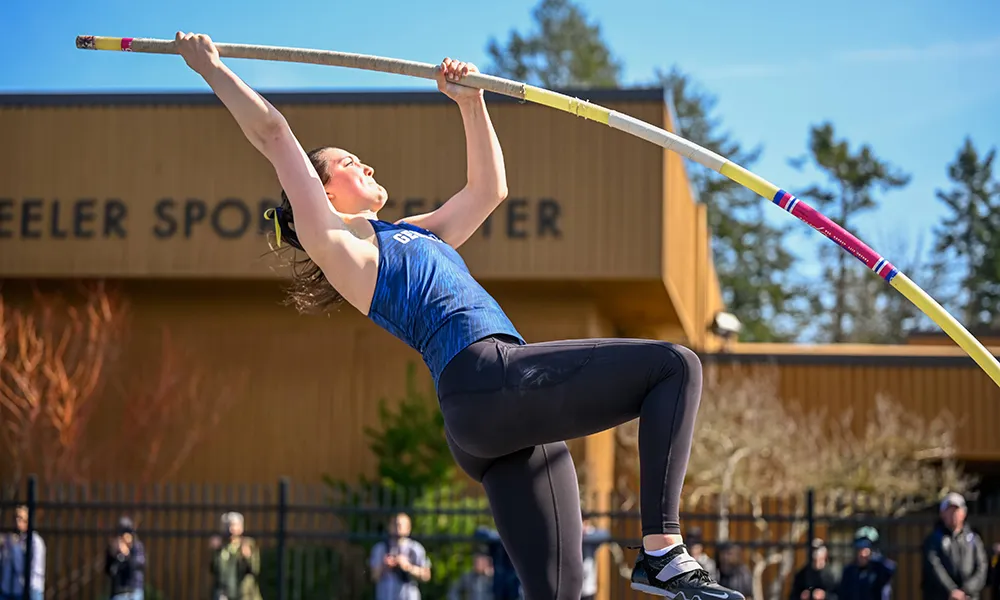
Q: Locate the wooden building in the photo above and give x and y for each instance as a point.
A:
(600, 236)
(163, 194)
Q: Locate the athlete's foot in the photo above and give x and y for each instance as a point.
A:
(677, 575)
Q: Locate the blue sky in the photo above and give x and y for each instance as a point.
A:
(912, 78)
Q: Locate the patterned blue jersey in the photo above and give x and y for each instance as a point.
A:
(425, 296)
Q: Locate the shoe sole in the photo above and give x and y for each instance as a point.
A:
(640, 587)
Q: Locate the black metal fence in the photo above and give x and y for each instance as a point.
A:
(314, 541)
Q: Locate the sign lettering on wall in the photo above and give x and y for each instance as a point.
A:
(231, 218)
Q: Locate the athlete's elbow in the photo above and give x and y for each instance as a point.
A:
(501, 191)
(498, 186)
(492, 193)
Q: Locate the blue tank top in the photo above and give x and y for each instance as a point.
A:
(426, 297)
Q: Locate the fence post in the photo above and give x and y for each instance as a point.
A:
(282, 523)
(811, 520)
(28, 549)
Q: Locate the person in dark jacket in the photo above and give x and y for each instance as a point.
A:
(869, 577)
(506, 585)
(14, 573)
(994, 578)
(125, 563)
(816, 580)
(476, 584)
(955, 563)
(733, 572)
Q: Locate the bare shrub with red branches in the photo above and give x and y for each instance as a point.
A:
(56, 358)
(52, 359)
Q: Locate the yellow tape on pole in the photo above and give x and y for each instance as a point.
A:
(561, 102)
(952, 327)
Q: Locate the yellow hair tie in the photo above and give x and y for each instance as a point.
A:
(271, 214)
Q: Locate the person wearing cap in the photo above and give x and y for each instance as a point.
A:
(955, 565)
(869, 577)
(125, 562)
(506, 585)
(816, 580)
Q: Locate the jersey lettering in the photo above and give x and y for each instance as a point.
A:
(406, 236)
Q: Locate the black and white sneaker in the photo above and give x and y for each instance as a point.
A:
(677, 575)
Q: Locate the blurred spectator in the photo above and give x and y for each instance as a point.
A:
(869, 577)
(13, 556)
(816, 580)
(593, 538)
(235, 562)
(476, 584)
(125, 562)
(506, 585)
(696, 548)
(733, 572)
(399, 564)
(994, 583)
(955, 562)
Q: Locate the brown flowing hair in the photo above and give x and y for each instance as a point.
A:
(310, 292)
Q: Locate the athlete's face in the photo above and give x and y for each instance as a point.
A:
(352, 188)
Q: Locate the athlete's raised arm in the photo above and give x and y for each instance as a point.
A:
(348, 262)
(458, 218)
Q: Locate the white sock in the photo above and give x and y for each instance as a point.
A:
(662, 551)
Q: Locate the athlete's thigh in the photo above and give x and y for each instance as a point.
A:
(535, 500)
(568, 389)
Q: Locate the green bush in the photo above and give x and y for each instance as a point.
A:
(416, 475)
(312, 572)
(151, 593)
(410, 445)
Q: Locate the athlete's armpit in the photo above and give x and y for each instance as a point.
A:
(350, 264)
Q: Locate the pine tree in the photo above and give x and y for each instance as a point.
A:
(969, 236)
(754, 266)
(854, 179)
(566, 51)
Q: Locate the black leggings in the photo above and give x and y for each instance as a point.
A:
(508, 410)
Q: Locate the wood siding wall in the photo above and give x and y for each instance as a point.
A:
(175, 190)
(914, 377)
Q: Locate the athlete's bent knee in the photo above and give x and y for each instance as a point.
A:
(677, 361)
(691, 360)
